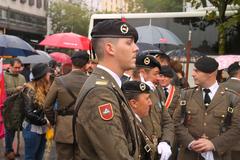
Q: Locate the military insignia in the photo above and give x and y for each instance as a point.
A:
(142, 86)
(106, 111)
(146, 61)
(101, 82)
(124, 29)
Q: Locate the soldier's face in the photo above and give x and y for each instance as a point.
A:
(200, 78)
(126, 52)
(153, 75)
(142, 105)
(164, 81)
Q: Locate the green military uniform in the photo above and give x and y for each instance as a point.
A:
(159, 123)
(105, 126)
(65, 105)
(234, 84)
(198, 121)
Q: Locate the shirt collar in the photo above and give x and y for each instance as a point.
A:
(114, 75)
(137, 116)
(235, 78)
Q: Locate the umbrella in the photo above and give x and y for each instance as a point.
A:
(61, 57)
(157, 35)
(15, 46)
(146, 48)
(225, 61)
(180, 55)
(42, 57)
(67, 40)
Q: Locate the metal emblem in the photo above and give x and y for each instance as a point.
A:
(142, 86)
(124, 29)
(146, 61)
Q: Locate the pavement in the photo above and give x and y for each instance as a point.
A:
(49, 154)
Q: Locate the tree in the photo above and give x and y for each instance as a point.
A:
(68, 17)
(224, 23)
(155, 5)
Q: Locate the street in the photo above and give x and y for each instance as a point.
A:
(49, 154)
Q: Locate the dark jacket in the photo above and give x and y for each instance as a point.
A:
(34, 113)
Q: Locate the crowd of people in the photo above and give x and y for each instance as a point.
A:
(127, 106)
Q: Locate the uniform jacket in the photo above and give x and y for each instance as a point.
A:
(206, 122)
(59, 95)
(159, 123)
(233, 84)
(174, 101)
(99, 138)
(11, 81)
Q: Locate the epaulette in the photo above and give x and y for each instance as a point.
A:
(189, 88)
(232, 91)
(101, 81)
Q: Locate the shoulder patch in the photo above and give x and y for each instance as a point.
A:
(101, 82)
(106, 111)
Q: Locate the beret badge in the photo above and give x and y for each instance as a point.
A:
(124, 28)
(142, 86)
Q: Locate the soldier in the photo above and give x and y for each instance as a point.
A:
(207, 117)
(138, 95)
(104, 124)
(159, 123)
(233, 83)
(63, 92)
(234, 77)
(171, 92)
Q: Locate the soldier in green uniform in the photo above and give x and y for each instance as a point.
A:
(159, 124)
(104, 124)
(138, 95)
(233, 83)
(64, 91)
(207, 117)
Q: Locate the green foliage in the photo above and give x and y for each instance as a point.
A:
(155, 6)
(67, 17)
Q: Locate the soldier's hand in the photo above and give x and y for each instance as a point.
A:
(202, 145)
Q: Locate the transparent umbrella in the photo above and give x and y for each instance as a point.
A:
(157, 35)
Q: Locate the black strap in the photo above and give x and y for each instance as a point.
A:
(70, 92)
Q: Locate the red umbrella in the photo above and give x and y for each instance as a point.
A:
(67, 40)
(61, 57)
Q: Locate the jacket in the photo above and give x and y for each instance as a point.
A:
(33, 112)
(105, 127)
(65, 102)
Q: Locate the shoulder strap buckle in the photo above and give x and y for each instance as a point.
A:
(147, 148)
(230, 109)
(183, 102)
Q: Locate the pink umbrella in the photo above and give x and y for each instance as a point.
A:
(61, 57)
(66, 40)
(225, 61)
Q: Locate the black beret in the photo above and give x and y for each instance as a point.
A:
(135, 87)
(166, 71)
(206, 64)
(233, 67)
(80, 55)
(114, 29)
(147, 61)
(39, 70)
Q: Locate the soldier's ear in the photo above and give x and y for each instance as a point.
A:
(133, 103)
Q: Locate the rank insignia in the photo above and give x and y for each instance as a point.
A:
(106, 111)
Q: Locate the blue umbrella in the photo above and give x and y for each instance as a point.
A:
(15, 46)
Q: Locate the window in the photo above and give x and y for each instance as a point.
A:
(45, 4)
(39, 3)
(23, 1)
(31, 2)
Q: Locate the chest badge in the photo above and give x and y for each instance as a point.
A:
(106, 111)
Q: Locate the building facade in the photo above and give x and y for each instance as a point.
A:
(25, 19)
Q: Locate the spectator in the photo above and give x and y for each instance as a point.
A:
(35, 123)
(14, 82)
